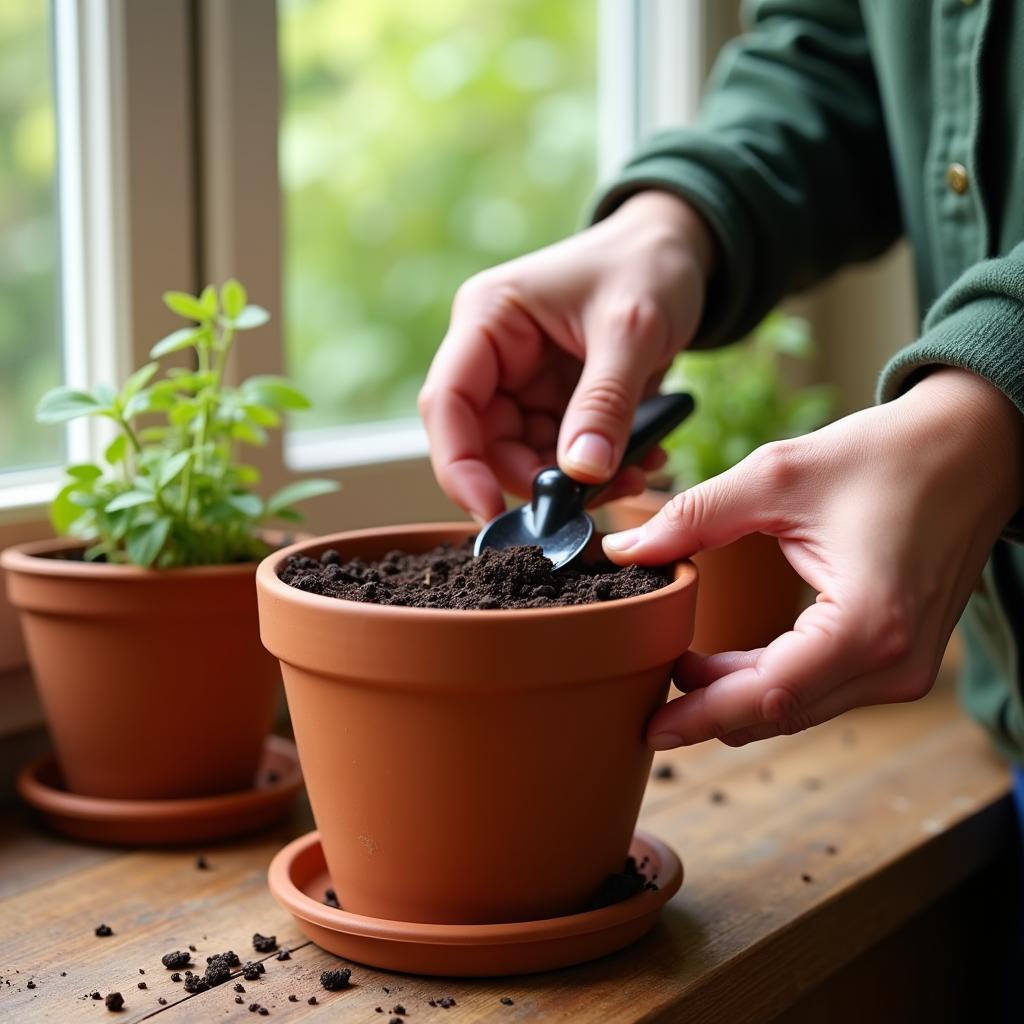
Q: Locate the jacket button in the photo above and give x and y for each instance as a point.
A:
(957, 178)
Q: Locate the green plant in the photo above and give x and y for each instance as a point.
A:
(743, 399)
(171, 492)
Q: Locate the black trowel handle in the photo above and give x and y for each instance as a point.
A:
(655, 419)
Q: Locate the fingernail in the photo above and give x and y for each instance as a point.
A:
(623, 541)
(664, 741)
(592, 454)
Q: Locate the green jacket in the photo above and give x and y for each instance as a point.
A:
(829, 130)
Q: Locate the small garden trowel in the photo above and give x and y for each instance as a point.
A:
(555, 519)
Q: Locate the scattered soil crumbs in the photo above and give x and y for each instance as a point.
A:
(201, 863)
(831, 850)
(616, 888)
(806, 878)
(195, 983)
(311, 1000)
(252, 969)
(665, 772)
(284, 954)
(115, 1002)
(264, 943)
(450, 577)
(336, 980)
(445, 1002)
(717, 797)
(331, 899)
(507, 1001)
(179, 958)
(103, 930)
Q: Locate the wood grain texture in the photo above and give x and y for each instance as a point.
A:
(801, 854)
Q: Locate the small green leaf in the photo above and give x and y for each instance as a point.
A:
(184, 337)
(185, 305)
(173, 467)
(63, 511)
(143, 543)
(274, 392)
(150, 435)
(251, 317)
(138, 404)
(208, 300)
(116, 450)
(261, 415)
(63, 404)
(301, 490)
(242, 473)
(248, 504)
(138, 380)
(128, 499)
(183, 413)
(233, 298)
(249, 433)
(84, 471)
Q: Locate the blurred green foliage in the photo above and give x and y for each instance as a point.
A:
(420, 143)
(744, 399)
(30, 356)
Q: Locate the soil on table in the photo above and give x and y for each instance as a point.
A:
(452, 577)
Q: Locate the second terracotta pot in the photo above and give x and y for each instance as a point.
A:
(749, 593)
(470, 767)
(154, 683)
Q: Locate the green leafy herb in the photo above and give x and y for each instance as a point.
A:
(170, 491)
(743, 399)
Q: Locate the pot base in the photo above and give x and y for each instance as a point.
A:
(298, 880)
(167, 822)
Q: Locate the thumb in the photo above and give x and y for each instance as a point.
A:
(710, 515)
(599, 416)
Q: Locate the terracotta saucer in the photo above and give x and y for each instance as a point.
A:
(298, 880)
(167, 822)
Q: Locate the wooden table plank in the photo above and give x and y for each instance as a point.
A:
(909, 798)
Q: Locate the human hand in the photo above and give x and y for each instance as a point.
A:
(889, 514)
(549, 355)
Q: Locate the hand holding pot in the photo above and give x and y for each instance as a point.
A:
(575, 334)
(889, 514)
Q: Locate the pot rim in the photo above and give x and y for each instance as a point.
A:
(267, 579)
(31, 559)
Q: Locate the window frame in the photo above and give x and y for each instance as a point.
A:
(159, 160)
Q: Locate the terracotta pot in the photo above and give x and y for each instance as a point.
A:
(470, 767)
(154, 682)
(749, 594)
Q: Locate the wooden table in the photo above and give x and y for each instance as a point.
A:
(822, 872)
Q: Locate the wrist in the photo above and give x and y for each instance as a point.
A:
(981, 432)
(686, 225)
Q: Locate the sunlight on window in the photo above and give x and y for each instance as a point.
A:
(419, 144)
(30, 359)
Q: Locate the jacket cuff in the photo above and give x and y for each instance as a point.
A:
(980, 333)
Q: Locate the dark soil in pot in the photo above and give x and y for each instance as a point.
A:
(451, 577)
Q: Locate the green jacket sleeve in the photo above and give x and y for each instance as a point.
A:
(976, 324)
(788, 161)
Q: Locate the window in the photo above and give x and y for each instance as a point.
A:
(419, 143)
(30, 348)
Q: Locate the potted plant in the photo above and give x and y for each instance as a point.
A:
(749, 594)
(141, 621)
(467, 766)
